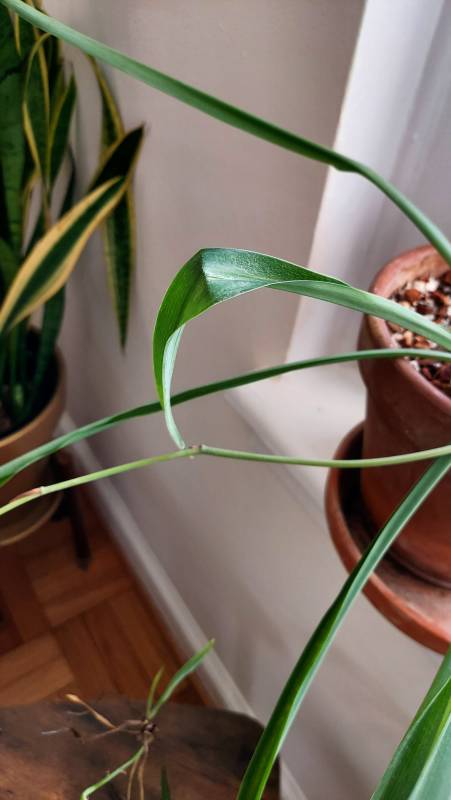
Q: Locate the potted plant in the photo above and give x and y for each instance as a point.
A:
(37, 179)
(408, 409)
(421, 767)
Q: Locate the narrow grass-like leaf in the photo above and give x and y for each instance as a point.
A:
(51, 261)
(288, 704)
(12, 138)
(215, 275)
(187, 668)
(231, 115)
(16, 465)
(421, 766)
(111, 775)
(165, 791)
(153, 688)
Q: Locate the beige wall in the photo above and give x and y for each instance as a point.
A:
(229, 536)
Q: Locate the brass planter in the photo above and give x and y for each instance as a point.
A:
(23, 521)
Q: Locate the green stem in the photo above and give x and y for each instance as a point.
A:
(111, 775)
(40, 491)
(349, 463)
(287, 706)
(16, 465)
(220, 452)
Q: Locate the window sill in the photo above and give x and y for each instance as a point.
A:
(304, 414)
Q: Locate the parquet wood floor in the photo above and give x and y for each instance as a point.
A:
(63, 629)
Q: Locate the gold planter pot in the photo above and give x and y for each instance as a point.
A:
(22, 521)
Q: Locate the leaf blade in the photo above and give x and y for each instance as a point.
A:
(289, 702)
(420, 768)
(215, 275)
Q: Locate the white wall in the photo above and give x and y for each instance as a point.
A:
(231, 537)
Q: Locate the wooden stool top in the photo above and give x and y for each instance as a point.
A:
(204, 750)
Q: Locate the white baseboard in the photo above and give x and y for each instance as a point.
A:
(157, 584)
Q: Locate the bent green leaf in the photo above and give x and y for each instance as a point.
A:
(215, 275)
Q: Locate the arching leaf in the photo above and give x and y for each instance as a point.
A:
(215, 275)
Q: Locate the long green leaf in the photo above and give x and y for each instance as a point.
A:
(8, 265)
(16, 465)
(165, 791)
(288, 704)
(421, 766)
(215, 275)
(119, 231)
(59, 129)
(12, 138)
(53, 258)
(233, 116)
(36, 106)
(50, 328)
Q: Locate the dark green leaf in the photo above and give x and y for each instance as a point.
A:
(12, 139)
(60, 127)
(8, 265)
(421, 766)
(48, 335)
(36, 107)
(165, 791)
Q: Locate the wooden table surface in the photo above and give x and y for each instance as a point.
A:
(204, 750)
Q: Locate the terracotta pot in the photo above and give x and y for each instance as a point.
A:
(31, 435)
(405, 413)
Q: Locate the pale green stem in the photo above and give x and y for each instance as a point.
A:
(13, 467)
(220, 452)
(111, 775)
(40, 491)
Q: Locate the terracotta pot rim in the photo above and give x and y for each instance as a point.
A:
(48, 409)
(381, 332)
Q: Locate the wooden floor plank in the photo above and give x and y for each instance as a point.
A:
(90, 631)
(33, 671)
(20, 597)
(90, 670)
(124, 667)
(65, 591)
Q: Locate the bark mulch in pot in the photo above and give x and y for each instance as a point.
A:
(431, 297)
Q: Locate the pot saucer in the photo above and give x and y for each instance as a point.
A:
(418, 608)
(23, 521)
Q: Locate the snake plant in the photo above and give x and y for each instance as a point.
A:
(38, 215)
(421, 767)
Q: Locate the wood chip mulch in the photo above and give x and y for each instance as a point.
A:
(430, 297)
